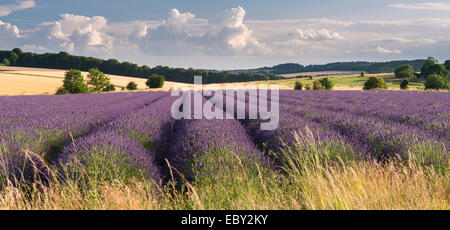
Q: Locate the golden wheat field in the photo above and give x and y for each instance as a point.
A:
(34, 81)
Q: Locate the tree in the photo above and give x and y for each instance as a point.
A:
(375, 83)
(74, 83)
(132, 86)
(404, 85)
(447, 65)
(298, 85)
(363, 74)
(405, 72)
(13, 57)
(317, 85)
(109, 88)
(5, 61)
(97, 80)
(155, 81)
(17, 51)
(437, 69)
(327, 84)
(429, 62)
(435, 81)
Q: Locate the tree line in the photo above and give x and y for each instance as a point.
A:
(64, 60)
(432, 73)
(369, 67)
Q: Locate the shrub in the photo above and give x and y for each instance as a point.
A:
(317, 85)
(97, 80)
(62, 90)
(155, 81)
(298, 85)
(310, 77)
(308, 87)
(405, 71)
(109, 88)
(327, 84)
(375, 83)
(435, 81)
(132, 86)
(363, 74)
(74, 83)
(404, 85)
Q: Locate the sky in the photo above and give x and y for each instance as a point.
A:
(232, 34)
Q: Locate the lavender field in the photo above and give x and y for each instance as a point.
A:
(332, 150)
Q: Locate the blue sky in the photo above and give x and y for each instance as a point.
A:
(230, 34)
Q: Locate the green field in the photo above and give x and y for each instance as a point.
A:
(350, 82)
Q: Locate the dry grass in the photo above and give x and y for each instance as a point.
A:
(314, 185)
(133, 195)
(374, 186)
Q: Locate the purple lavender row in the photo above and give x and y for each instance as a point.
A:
(428, 111)
(43, 136)
(387, 140)
(292, 124)
(125, 147)
(199, 144)
(106, 156)
(436, 126)
(150, 126)
(384, 139)
(296, 132)
(20, 109)
(326, 108)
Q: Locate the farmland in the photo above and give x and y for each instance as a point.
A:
(331, 150)
(36, 81)
(349, 81)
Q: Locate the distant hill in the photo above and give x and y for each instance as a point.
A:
(369, 67)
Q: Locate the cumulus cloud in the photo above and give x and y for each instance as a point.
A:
(6, 29)
(76, 33)
(8, 35)
(20, 5)
(388, 51)
(316, 35)
(423, 6)
(232, 35)
(184, 34)
(169, 38)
